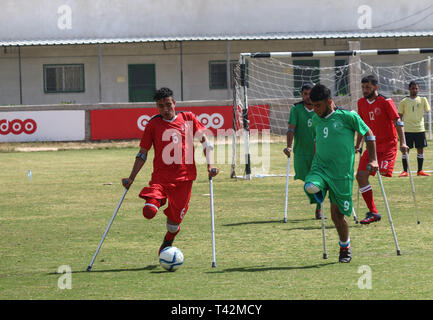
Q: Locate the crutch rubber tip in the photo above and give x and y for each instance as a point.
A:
(213, 265)
(398, 253)
(89, 268)
(325, 256)
(285, 220)
(419, 222)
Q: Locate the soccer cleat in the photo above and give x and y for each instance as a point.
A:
(165, 244)
(345, 255)
(404, 174)
(422, 173)
(370, 217)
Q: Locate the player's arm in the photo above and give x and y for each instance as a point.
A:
(401, 109)
(393, 114)
(359, 138)
(358, 143)
(426, 105)
(290, 134)
(208, 153)
(140, 160)
(370, 143)
(399, 125)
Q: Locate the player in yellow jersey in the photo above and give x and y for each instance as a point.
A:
(411, 110)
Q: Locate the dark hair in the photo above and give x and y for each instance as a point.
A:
(307, 85)
(369, 79)
(413, 83)
(162, 94)
(320, 93)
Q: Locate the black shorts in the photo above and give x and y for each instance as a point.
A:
(417, 138)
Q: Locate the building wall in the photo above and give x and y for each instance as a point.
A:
(166, 57)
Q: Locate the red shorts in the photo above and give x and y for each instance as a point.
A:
(386, 161)
(178, 195)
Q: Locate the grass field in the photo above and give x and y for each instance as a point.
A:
(58, 217)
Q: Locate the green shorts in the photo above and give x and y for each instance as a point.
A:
(302, 164)
(340, 191)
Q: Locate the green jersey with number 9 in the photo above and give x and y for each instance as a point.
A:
(334, 136)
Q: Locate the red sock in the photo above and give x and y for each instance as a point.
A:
(367, 194)
(170, 236)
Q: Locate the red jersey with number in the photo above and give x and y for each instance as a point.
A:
(379, 115)
(173, 143)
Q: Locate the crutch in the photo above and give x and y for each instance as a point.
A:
(413, 186)
(387, 209)
(325, 254)
(354, 214)
(287, 189)
(212, 222)
(89, 268)
(357, 194)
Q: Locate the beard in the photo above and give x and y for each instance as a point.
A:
(370, 95)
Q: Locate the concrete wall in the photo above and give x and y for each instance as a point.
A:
(166, 57)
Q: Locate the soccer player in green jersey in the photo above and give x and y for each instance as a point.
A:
(299, 131)
(332, 169)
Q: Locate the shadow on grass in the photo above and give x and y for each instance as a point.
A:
(263, 269)
(264, 222)
(149, 267)
(312, 228)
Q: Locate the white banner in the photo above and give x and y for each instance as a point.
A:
(26, 126)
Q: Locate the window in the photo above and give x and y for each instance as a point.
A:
(305, 71)
(63, 78)
(218, 74)
(341, 78)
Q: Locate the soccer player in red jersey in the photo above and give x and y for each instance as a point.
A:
(381, 116)
(171, 134)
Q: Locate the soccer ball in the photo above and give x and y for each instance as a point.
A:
(171, 258)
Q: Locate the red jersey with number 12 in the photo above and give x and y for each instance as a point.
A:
(379, 116)
(173, 143)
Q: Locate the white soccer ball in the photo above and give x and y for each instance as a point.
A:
(171, 258)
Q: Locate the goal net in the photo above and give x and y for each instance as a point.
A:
(266, 85)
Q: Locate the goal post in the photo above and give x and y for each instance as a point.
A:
(267, 84)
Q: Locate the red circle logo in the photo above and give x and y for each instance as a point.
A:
(17, 126)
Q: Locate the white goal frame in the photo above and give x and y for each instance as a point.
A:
(240, 89)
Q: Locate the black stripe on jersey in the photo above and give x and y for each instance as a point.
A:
(381, 95)
(154, 117)
(340, 108)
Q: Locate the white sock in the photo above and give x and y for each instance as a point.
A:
(344, 244)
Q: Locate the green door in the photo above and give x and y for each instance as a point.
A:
(305, 71)
(141, 82)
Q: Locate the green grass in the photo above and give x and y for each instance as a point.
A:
(58, 218)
